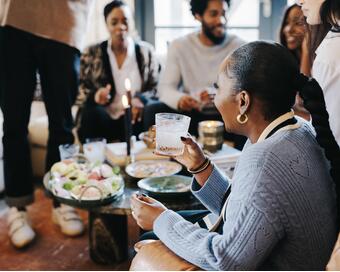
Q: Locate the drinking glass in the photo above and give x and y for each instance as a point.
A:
(169, 129)
(67, 151)
(94, 150)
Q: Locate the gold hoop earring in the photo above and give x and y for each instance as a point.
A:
(242, 118)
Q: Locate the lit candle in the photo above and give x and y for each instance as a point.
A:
(128, 126)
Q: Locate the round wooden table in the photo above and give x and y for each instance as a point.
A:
(108, 225)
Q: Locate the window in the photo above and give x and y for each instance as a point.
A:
(173, 19)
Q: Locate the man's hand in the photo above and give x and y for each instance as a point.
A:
(102, 95)
(188, 103)
(206, 97)
(137, 110)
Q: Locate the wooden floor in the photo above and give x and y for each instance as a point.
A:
(51, 250)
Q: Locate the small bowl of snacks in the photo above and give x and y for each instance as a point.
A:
(84, 184)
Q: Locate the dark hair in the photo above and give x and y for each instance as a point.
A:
(316, 34)
(112, 5)
(267, 71)
(314, 102)
(282, 37)
(199, 6)
(329, 9)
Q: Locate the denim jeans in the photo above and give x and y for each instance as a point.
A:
(23, 55)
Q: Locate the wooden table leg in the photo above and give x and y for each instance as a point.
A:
(108, 238)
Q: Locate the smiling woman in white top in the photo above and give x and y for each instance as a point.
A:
(103, 70)
(325, 14)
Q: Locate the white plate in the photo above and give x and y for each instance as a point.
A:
(175, 184)
(153, 168)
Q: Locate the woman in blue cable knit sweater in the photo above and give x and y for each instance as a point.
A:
(281, 212)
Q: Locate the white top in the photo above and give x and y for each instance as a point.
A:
(191, 66)
(326, 70)
(129, 70)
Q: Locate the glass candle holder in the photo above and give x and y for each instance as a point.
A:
(211, 135)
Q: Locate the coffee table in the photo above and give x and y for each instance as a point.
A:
(108, 225)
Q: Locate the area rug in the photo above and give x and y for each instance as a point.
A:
(51, 250)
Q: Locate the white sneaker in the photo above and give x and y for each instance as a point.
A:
(68, 219)
(20, 230)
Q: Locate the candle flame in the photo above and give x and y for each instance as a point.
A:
(125, 101)
(127, 84)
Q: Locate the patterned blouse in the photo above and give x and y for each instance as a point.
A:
(96, 72)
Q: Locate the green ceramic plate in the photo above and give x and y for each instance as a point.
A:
(175, 184)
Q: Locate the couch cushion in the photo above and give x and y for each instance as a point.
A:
(38, 126)
(38, 131)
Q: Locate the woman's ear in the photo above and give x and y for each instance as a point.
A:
(243, 101)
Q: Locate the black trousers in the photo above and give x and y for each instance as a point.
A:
(23, 55)
(1, 60)
(196, 117)
(97, 123)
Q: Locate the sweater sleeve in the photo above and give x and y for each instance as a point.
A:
(171, 79)
(252, 228)
(212, 193)
(244, 247)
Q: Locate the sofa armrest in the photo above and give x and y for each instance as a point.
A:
(153, 255)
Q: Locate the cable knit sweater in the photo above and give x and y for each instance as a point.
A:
(281, 213)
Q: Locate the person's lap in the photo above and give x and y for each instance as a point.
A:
(96, 123)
